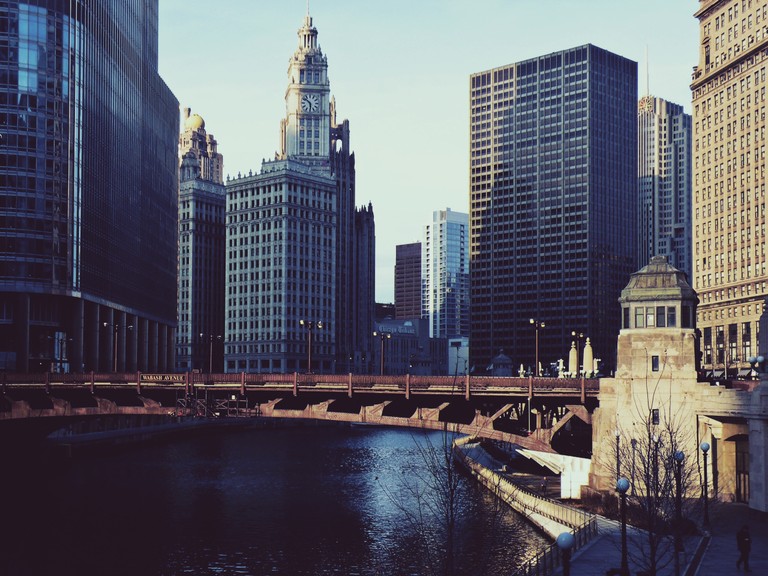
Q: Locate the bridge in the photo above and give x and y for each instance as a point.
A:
(528, 411)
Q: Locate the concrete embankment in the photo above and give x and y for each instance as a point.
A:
(551, 516)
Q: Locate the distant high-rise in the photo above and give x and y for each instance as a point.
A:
(408, 281)
(299, 288)
(553, 193)
(88, 184)
(665, 178)
(729, 216)
(202, 232)
(445, 274)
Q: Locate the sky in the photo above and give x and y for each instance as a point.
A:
(399, 70)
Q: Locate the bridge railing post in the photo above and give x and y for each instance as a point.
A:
(408, 386)
(242, 383)
(295, 384)
(138, 383)
(583, 391)
(466, 386)
(349, 385)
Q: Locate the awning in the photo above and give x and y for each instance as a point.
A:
(743, 373)
(718, 373)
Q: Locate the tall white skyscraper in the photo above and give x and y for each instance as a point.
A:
(300, 255)
(664, 182)
(445, 274)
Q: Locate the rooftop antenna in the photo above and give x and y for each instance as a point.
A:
(647, 74)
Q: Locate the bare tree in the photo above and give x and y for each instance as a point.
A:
(655, 454)
(433, 498)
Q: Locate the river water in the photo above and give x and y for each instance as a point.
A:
(312, 500)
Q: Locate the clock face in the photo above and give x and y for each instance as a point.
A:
(310, 103)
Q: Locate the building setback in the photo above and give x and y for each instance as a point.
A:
(202, 231)
(299, 287)
(408, 281)
(729, 217)
(88, 184)
(665, 179)
(553, 203)
(445, 274)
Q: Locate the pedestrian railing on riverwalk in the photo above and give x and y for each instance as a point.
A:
(581, 524)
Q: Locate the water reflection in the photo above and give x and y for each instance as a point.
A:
(298, 501)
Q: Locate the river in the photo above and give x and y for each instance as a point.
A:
(294, 500)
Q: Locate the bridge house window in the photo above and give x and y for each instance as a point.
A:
(653, 316)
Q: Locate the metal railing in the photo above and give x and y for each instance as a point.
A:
(582, 524)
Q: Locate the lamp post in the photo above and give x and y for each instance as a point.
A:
(382, 336)
(618, 454)
(705, 450)
(310, 325)
(755, 363)
(536, 326)
(679, 457)
(211, 338)
(622, 485)
(565, 543)
(634, 458)
(578, 336)
(115, 328)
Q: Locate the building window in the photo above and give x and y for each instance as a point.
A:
(639, 317)
(655, 363)
(671, 316)
(660, 316)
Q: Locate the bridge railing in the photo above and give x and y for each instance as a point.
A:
(405, 383)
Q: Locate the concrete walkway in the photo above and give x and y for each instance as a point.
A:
(721, 554)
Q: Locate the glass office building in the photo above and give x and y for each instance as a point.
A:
(88, 181)
(553, 197)
(445, 274)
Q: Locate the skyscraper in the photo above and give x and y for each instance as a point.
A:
(408, 281)
(553, 216)
(729, 217)
(202, 231)
(299, 289)
(88, 184)
(665, 179)
(445, 274)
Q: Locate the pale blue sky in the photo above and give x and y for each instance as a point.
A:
(399, 70)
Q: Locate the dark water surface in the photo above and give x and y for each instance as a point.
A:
(291, 501)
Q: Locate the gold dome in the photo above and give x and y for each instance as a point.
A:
(194, 122)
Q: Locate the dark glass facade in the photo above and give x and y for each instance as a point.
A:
(553, 186)
(88, 180)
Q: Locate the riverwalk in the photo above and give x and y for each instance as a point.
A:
(713, 554)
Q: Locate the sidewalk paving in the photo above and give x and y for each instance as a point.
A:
(719, 557)
(721, 554)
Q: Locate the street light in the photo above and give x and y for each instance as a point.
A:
(679, 457)
(705, 449)
(565, 542)
(310, 325)
(116, 327)
(211, 338)
(578, 336)
(536, 325)
(622, 485)
(382, 336)
(618, 454)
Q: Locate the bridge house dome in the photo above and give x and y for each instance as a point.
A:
(658, 296)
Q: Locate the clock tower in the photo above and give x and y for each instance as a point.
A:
(305, 130)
